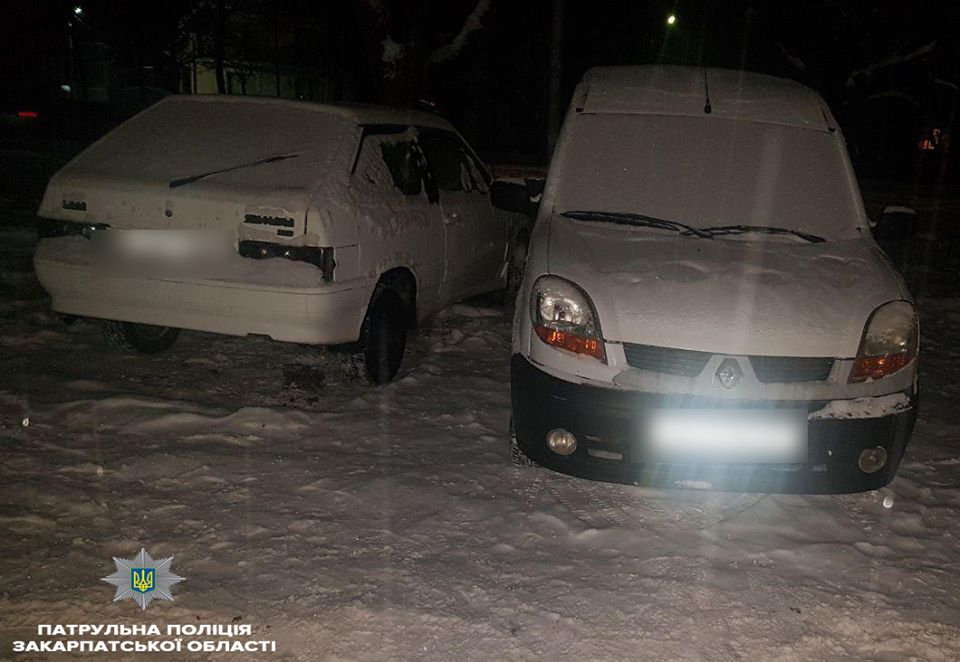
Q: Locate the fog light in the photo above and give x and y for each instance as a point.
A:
(872, 459)
(561, 442)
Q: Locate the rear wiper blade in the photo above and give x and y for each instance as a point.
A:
(174, 183)
(766, 229)
(641, 220)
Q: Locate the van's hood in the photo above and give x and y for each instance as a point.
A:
(752, 295)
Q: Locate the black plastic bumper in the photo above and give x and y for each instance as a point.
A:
(605, 422)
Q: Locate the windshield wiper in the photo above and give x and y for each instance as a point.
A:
(174, 183)
(640, 220)
(766, 229)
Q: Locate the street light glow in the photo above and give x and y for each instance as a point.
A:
(78, 10)
(671, 19)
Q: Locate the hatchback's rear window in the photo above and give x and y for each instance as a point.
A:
(184, 137)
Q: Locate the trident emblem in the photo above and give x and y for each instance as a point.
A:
(141, 579)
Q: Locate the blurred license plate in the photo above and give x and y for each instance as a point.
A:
(168, 244)
(725, 436)
(163, 253)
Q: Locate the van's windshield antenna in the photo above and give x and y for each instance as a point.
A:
(706, 93)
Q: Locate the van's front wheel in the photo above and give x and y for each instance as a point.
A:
(143, 338)
(385, 336)
(517, 457)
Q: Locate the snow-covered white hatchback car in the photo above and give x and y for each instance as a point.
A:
(307, 223)
(703, 303)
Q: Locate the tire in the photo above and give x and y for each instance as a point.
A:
(143, 338)
(517, 457)
(384, 336)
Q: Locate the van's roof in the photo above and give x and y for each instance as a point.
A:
(676, 90)
(358, 113)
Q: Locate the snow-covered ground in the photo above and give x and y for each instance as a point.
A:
(347, 522)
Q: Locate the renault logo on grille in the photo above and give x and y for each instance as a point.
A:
(729, 373)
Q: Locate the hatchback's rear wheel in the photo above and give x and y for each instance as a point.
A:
(143, 338)
(385, 336)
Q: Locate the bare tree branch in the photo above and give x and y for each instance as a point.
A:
(471, 25)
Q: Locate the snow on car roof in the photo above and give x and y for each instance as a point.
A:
(184, 136)
(676, 90)
(356, 112)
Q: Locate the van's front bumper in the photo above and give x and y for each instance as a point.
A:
(324, 313)
(606, 423)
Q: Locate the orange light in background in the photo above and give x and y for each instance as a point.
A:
(933, 140)
(571, 342)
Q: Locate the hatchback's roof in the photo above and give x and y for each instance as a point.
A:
(183, 136)
(358, 113)
(676, 90)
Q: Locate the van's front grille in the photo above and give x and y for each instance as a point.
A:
(682, 362)
(690, 363)
(786, 369)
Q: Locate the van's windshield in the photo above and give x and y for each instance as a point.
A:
(708, 172)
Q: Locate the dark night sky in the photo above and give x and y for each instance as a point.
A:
(497, 88)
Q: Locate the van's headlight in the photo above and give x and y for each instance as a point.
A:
(563, 317)
(890, 342)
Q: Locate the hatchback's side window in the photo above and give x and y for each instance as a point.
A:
(403, 162)
(477, 174)
(452, 167)
(390, 160)
(481, 180)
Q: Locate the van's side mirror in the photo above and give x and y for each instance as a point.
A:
(511, 196)
(895, 224)
(894, 232)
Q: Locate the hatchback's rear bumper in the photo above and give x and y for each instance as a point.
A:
(605, 422)
(320, 314)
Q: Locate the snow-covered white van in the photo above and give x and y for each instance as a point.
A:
(703, 304)
(306, 223)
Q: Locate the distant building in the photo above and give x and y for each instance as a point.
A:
(265, 52)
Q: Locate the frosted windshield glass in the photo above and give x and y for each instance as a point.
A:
(707, 172)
